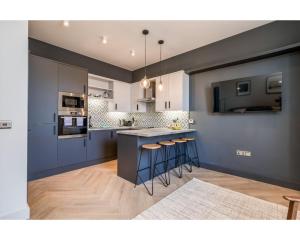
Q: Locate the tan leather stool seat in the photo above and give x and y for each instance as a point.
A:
(151, 146)
(188, 139)
(167, 143)
(178, 141)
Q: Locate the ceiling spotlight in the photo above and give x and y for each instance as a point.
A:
(104, 39)
(66, 23)
(132, 52)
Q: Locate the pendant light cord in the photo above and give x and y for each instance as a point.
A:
(160, 63)
(145, 53)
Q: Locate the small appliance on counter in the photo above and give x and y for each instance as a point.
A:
(125, 123)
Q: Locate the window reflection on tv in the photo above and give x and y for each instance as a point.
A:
(250, 94)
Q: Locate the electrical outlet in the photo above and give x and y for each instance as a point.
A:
(191, 121)
(243, 153)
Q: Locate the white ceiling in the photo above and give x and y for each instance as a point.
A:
(180, 36)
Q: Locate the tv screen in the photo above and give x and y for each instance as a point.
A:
(250, 94)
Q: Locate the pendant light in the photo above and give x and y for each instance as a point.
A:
(145, 83)
(160, 85)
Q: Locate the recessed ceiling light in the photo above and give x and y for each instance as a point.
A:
(66, 23)
(132, 52)
(104, 39)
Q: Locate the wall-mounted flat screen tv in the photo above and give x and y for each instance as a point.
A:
(250, 94)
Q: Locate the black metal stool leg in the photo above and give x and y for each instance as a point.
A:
(186, 155)
(150, 170)
(197, 156)
(138, 168)
(160, 177)
(178, 163)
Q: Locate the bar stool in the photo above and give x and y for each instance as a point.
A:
(180, 149)
(151, 148)
(193, 145)
(167, 146)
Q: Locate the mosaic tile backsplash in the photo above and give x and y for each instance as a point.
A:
(98, 109)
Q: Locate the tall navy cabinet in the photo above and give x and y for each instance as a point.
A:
(42, 115)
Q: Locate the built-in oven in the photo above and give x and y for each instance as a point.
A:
(71, 126)
(72, 103)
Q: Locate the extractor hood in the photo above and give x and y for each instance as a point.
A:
(149, 94)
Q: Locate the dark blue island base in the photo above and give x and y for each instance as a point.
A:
(129, 149)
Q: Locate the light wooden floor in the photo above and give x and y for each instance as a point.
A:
(97, 192)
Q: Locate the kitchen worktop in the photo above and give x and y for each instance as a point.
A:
(112, 128)
(153, 132)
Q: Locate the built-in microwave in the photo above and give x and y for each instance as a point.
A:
(72, 126)
(72, 103)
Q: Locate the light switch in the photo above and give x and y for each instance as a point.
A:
(5, 124)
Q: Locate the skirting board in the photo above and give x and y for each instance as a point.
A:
(250, 176)
(21, 214)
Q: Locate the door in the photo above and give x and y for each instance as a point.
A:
(122, 97)
(101, 145)
(42, 90)
(72, 79)
(42, 115)
(71, 151)
(162, 96)
(175, 91)
(42, 148)
(97, 144)
(137, 93)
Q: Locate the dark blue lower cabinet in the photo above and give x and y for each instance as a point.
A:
(42, 149)
(72, 151)
(101, 145)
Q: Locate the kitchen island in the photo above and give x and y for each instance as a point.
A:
(129, 148)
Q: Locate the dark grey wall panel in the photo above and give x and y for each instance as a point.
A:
(273, 138)
(259, 40)
(94, 66)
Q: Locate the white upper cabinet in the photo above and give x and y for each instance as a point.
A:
(137, 93)
(175, 93)
(121, 97)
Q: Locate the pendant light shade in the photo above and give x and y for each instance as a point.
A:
(145, 83)
(160, 85)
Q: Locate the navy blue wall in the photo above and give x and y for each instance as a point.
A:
(273, 138)
(94, 66)
(257, 41)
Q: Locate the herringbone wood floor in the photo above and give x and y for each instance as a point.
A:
(97, 192)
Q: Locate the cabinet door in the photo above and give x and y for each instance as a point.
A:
(72, 79)
(175, 92)
(42, 90)
(42, 148)
(71, 151)
(96, 146)
(137, 93)
(122, 97)
(101, 145)
(179, 92)
(162, 96)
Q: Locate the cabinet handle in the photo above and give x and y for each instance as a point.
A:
(165, 105)
(54, 117)
(137, 107)
(111, 134)
(116, 106)
(54, 130)
(84, 142)
(90, 136)
(84, 88)
(169, 104)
